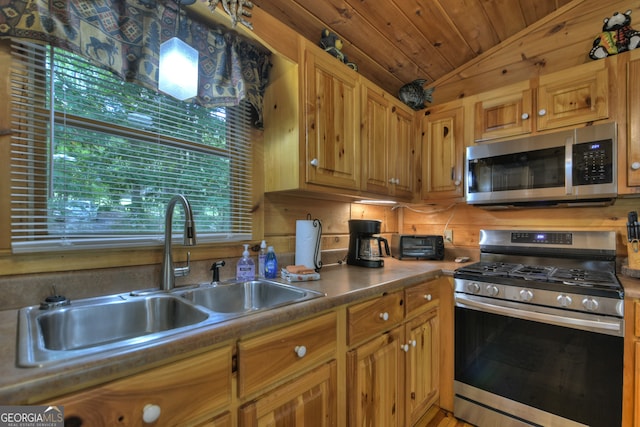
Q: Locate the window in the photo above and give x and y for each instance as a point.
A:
(95, 160)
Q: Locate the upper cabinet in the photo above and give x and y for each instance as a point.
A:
(331, 111)
(311, 116)
(503, 112)
(570, 97)
(443, 153)
(388, 144)
(329, 130)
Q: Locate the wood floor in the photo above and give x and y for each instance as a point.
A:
(436, 417)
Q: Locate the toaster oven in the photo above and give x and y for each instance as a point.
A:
(425, 247)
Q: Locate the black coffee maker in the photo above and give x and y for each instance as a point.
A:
(365, 249)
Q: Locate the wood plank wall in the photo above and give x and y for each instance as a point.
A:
(282, 211)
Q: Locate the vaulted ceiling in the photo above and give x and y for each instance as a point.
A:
(396, 41)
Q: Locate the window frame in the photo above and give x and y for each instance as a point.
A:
(153, 240)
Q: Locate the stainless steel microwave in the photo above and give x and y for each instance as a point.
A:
(575, 166)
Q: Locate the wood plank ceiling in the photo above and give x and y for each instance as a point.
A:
(396, 41)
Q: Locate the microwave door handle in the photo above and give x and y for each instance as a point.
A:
(568, 161)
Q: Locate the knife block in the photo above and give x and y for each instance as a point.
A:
(633, 254)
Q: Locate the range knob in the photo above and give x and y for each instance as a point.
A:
(492, 290)
(590, 304)
(564, 300)
(526, 295)
(473, 287)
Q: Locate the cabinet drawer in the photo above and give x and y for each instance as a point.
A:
(276, 355)
(421, 297)
(371, 317)
(186, 392)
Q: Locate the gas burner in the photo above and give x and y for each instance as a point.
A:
(533, 272)
(587, 278)
(485, 268)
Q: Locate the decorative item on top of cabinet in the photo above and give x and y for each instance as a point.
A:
(442, 151)
(388, 138)
(184, 392)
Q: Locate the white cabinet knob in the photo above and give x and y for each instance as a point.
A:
(314, 162)
(635, 166)
(300, 350)
(457, 182)
(542, 112)
(397, 181)
(525, 116)
(384, 316)
(150, 413)
(413, 343)
(427, 297)
(405, 347)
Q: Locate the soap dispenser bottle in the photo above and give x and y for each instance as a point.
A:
(271, 264)
(262, 257)
(246, 268)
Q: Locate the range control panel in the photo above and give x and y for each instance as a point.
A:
(543, 238)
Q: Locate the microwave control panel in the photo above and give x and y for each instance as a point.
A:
(593, 162)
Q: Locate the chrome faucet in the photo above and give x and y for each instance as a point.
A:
(168, 272)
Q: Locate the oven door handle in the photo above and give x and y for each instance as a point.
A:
(613, 327)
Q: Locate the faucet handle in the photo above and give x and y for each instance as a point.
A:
(183, 271)
(215, 267)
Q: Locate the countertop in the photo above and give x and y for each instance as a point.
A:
(342, 284)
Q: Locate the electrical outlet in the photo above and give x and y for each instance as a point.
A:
(448, 236)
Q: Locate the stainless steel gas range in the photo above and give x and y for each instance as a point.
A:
(539, 331)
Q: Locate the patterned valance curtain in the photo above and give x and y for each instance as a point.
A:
(124, 36)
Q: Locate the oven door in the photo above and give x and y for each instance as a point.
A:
(513, 371)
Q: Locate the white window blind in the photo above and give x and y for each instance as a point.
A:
(95, 160)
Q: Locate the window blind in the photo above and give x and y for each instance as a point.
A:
(95, 160)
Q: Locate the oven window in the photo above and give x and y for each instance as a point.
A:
(568, 372)
(520, 171)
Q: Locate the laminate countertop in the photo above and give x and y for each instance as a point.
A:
(342, 284)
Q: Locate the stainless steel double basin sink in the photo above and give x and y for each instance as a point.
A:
(126, 321)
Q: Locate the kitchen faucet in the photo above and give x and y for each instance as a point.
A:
(169, 273)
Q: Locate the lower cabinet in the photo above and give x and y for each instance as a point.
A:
(375, 381)
(185, 393)
(422, 347)
(393, 378)
(377, 360)
(309, 400)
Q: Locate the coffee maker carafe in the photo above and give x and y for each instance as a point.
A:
(365, 248)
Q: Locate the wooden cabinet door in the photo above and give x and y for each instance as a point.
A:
(422, 364)
(272, 356)
(375, 382)
(376, 110)
(309, 400)
(633, 141)
(187, 392)
(502, 113)
(331, 116)
(442, 148)
(579, 95)
(402, 152)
